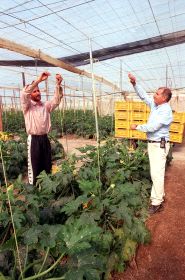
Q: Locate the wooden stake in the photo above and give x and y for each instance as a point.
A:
(37, 54)
(1, 115)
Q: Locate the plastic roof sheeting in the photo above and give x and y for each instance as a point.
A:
(62, 28)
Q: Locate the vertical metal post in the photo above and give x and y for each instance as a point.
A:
(1, 115)
(74, 108)
(94, 91)
(46, 87)
(95, 109)
(121, 76)
(23, 79)
(101, 107)
(82, 88)
(166, 75)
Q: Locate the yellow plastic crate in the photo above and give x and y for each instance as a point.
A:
(135, 134)
(138, 106)
(176, 137)
(179, 117)
(122, 105)
(177, 127)
(122, 124)
(147, 109)
(122, 133)
(138, 122)
(121, 115)
(137, 116)
(147, 115)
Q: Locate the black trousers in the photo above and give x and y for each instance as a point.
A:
(39, 156)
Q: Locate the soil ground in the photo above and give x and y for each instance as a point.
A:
(164, 257)
(72, 142)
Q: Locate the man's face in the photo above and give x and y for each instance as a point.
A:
(35, 95)
(159, 98)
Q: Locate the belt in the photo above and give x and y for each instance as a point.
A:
(38, 135)
(151, 141)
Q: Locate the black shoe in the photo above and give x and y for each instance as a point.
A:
(155, 208)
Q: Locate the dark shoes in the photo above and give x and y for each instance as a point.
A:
(155, 208)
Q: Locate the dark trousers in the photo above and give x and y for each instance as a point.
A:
(39, 156)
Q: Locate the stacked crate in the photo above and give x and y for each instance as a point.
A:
(177, 127)
(122, 110)
(127, 113)
(138, 115)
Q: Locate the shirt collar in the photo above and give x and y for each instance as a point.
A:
(36, 103)
(163, 104)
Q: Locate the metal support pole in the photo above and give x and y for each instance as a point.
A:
(23, 79)
(94, 91)
(1, 114)
(166, 75)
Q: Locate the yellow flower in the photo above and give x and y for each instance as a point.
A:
(87, 204)
(131, 149)
(74, 172)
(55, 169)
(4, 136)
(10, 187)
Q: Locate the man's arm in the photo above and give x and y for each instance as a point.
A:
(140, 91)
(164, 117)
(146, 127)
(51, 105)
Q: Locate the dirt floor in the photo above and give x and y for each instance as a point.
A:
(164, 258)
(72, 142)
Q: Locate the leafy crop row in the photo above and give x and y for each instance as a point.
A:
(14, 154)
(67, 122)
(79, 223)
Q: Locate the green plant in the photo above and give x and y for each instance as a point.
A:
(78, 224)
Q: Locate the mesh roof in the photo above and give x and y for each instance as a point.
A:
(63, 28)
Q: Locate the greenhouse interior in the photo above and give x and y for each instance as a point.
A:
(92, 149)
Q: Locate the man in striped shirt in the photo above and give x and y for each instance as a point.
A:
(38, 124)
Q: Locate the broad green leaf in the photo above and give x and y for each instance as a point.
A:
(72, 206)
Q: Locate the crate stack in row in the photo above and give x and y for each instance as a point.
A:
(127, 112)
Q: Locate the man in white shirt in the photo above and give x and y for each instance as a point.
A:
(157, 130)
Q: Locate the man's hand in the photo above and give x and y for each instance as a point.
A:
(133, 126)
(59, 79)
(132, 79)
(43, 76)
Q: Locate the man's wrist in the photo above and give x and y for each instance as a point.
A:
(38, 81)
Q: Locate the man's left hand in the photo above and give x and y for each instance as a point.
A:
(59, 79)
(133, 126)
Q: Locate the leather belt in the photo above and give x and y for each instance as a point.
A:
(151, 141)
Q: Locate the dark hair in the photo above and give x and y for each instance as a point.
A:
(167, 93)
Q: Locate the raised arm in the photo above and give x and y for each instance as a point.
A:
(51, 105)
(140, 91)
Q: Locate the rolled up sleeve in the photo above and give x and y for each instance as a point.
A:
(52, 104)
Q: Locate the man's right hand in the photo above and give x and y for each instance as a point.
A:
(133, 126)
(59, 79)
(43, 76)
(132, 79)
